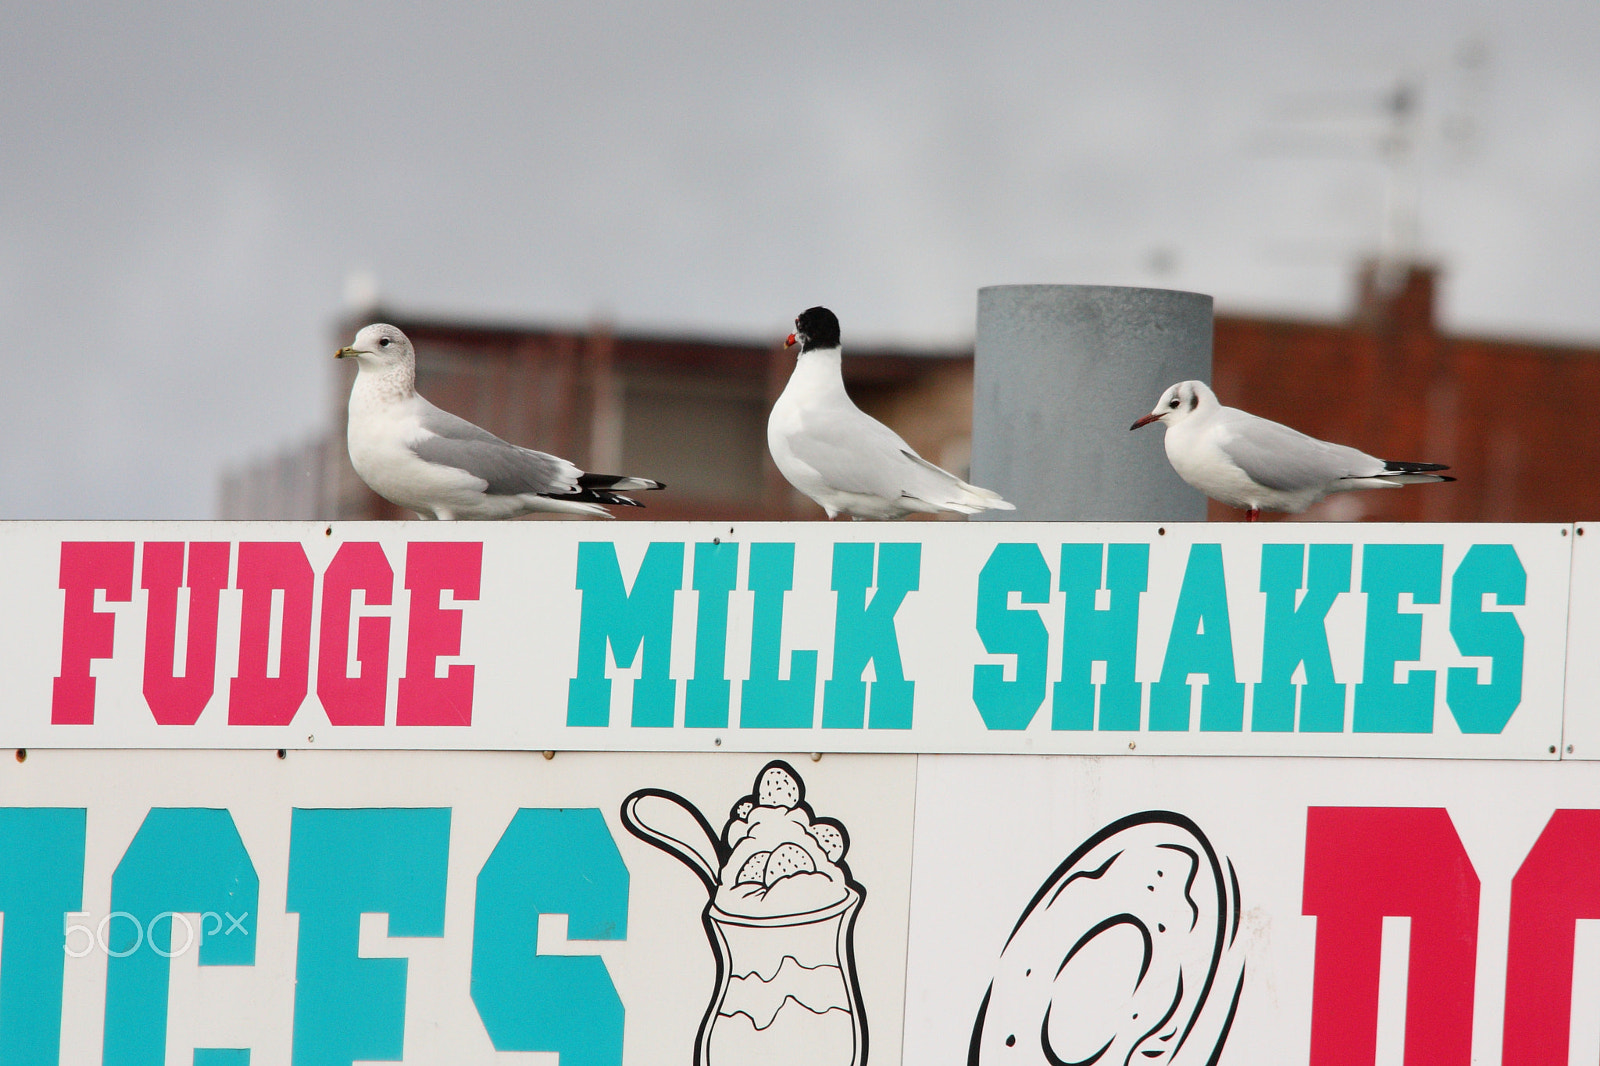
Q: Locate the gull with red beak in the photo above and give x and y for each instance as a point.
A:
(1246, 461)
(845, 459)
(443, 467)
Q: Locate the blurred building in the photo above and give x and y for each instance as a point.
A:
(1507, 415)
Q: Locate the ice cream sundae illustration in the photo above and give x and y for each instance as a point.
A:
(780, 918)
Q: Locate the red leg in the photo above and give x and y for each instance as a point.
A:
(1252, 514)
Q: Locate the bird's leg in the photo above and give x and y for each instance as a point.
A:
(1253, 514)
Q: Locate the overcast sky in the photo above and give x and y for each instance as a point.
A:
(185, 190)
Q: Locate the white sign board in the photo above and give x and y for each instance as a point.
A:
(1425, 640)
(565, 836)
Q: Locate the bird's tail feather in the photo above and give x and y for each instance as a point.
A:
(570, 505)
(1394, 474)
(597, 496)
(974, 501)
(1387, 481)
(960, 496)
(596, 489)
(1395, 466)
(618, 483)
(1414, 479)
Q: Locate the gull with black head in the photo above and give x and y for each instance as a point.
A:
(845, 459)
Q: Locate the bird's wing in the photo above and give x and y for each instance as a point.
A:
(508, 469)
(854, 452)
(1285, 459)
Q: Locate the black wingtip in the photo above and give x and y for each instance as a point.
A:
(1395, 466)
(607, 497)
(620, 482)
(608, 489)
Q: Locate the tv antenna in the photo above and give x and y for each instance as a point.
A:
(1390, 125)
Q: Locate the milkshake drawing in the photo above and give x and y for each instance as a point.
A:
(780, 919)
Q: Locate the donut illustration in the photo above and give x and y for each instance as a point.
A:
(1125, 955)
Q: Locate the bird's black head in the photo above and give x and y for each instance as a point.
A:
(816, 328)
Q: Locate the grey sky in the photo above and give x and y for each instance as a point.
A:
(184, 191)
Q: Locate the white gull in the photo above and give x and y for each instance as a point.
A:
(443, 467)
(1249, 462)
(845, 459)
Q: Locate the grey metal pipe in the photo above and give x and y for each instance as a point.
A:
(1060, 372)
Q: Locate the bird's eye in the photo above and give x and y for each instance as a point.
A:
(1174, 402)
(384, 343)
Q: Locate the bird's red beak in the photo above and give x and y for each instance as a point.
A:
(1146, 420)
(789, 342)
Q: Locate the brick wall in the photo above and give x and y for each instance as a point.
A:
(1509, 417)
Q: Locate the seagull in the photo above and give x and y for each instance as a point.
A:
(846, 460)
(443, 467)
(1246, 461)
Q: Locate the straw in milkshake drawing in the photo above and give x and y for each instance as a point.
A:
(780, 919)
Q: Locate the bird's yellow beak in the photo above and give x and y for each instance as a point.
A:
(342, 352)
